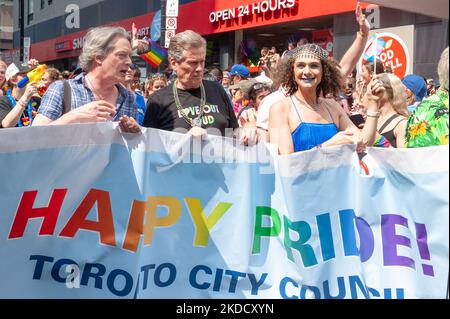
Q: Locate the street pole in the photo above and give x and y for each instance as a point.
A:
(163, 23)
(21, 27)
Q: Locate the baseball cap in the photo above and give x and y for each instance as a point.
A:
(240, 69)
(244, 85)
(417, 85)
(13, 69)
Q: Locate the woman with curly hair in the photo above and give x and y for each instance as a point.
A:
(305, 120)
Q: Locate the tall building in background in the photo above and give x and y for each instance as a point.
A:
(6, 30)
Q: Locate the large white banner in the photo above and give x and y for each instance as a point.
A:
(88, 212)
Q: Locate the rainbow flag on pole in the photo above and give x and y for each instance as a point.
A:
(155, 56)
(375, 48)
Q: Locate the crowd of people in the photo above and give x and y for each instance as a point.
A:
(300, 100)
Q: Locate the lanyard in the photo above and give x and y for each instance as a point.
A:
(29, 109)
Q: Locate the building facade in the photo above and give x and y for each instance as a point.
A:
(235, 30)
(6, 29)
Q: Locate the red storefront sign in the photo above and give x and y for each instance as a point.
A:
(197, 16)
(64, 46)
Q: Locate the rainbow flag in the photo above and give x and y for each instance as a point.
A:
(375, 48)
(155, 56)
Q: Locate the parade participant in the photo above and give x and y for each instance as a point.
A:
(3, 67)
(131, 83)
(18, 106)
(95, 95)
(392, 122)
(274, 57)
(291, 46)
(238, 73)
(416, 90)
(51, 75)
(431, 89)
(190, 103)
(305, 120)
(256, 94)
(226, 79)
(264, 59)
(368, 70)
(347, 65)
(428, 125)
(240, 96)
(226, 82)
(159, 82)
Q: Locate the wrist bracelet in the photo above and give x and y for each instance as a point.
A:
(373, 114)
(362, 34)
(20, 102)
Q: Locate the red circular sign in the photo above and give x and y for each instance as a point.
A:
(391, 50)
(171, 22)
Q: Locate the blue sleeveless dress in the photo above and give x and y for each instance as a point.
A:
(308, 135)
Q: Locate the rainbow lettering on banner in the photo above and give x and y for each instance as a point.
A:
(156, 55)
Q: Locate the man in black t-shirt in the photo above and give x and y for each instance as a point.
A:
(190, 104)
(163, 113)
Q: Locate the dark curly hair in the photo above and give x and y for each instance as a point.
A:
(332, 81)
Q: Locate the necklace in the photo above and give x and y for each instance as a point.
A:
(100, 97)
(197, 121)
(315, 107)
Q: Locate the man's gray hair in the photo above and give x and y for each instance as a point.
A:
(443, 69)
(99, 43)
(184, 41)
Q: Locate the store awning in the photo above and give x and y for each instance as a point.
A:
(434, 8)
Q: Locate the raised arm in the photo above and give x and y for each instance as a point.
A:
(367, 135)
(353, 54)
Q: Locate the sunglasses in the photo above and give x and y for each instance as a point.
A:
(158, 75)
(258, 86)
(133, 66)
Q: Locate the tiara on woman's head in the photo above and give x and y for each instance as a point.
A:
(311, 51)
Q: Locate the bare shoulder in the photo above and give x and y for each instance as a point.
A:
(333, 106)
(282, 106)
(402, 123)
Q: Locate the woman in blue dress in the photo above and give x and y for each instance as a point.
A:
(305, 119)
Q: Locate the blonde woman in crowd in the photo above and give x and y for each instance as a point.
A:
(394, 113)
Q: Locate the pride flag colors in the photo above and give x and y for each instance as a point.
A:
(155, 56)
